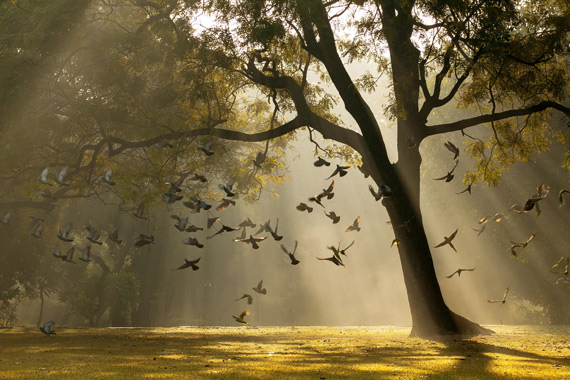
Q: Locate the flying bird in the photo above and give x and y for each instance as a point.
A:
(198, 177)
(249, 298)
(38, 231)
(222, 230)
(193, 241)
(143, 240)
(252, 240)
(291, 255)
(467, 189)
(140, 212)
(355, 225)
(85, 254)
(333, 216)
(63, 233)
(228, 188)
(447, 240)
(273, 233)
(211, 221)
(107, 178)
(317, 200)
(340, 170)
(320, 162)
(193, 228)
(247, 223)
(504, 297)
(520, 245)
(44, 177)
(328, 192)
(114, 236)
(58, 254)
(259, 159)
(259, 288)
(60, 176)
(190, 263)
(559, 263)
(35, 221)
(46, 328)
(452, 148)
(560, 196)
(449, 176)
(164, 143)
(206, 149)
(225, 204)
(384, 191)
(68, 258)
(181, 222)
(6, 217)
(94, 234)
(304, 207)
(241, 317)
(458, 272)
(334, 259)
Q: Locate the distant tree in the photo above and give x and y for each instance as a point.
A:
(162, 80)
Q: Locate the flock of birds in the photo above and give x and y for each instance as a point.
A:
(516, 248)
(196, 205)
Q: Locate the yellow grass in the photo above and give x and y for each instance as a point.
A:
(282, 353)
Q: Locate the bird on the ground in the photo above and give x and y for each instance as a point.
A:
(452, 148)
(559, 264)
(259, 288)
(94, 234)
(225, 204)
(458, 272)
(6, 217)
(107, 178)
(247, 223)
(38, 231)
(252, 240)
(355, 225)
(164, 143)
(63, 233)
(44, 177)
(304, 207)
(143, 240)
(114, 236)
(259, 159)
(291, 255)
(60, 176)
(447, 240)
(139, 214)
(561, 197)
(207, 149)
(228, 188)
(211, 221)
(333, 216)
(193, 241)
(222, 230)
(449, 176)
(249, 298)
(504, 297)
(241, 317)
(340, 170)
(328, 192)
(335, 260)
(46, 328)
(320, 162)
(467, 189)
(198, 177)
(181, 224)
(522, 246)
(190, 263)
(384, 191)
(85, 254)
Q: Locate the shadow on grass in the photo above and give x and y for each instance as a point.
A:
(264, 354)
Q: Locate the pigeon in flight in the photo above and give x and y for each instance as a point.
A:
(252, 240)
(68, 258)
(340, 170)
(164, 143)
(317, 200)
(304, 207)
(259, 288)
(337, 251)
(181, 224)
(355, 225)
(241, 317)
(384, 191)
(211, 221)
(206, 149)
(467, 189)
(60, 176)
(559, 263)
(561, 197)
(64, 232)
(193, 241)
(320, 162)
(94, 234)
(458, 272)
(46, 328)
(328, 192)
(198, 177)
(223, 229)
(114, 236)
(520, 245)
(58, 254)
(247, 223)
(35, 221)
(334, 259)
(447, 240)
(291, 255)
(193, 228)
(225, 204)
(333, 216)
(249, 298)
(6, 217)
(85, 254)
(107, 178)
(228, 188)
(452, 148)
(259, 159)
(504, 297)
(44, 177)
(38, 231)
(190, 263)
(140, 212)
(143, 240)
(449, 176)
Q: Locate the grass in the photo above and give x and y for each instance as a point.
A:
(522, 352)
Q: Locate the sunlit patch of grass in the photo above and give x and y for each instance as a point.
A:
(524, 352)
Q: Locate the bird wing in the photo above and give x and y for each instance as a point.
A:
(530, 238)
(295, 249)
(284, 249)
(350, 245)
(451, 275)
(453, 235)
(441, 178)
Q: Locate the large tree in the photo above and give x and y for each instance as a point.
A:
(165, 78)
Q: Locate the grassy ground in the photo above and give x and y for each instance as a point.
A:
(282, 353)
